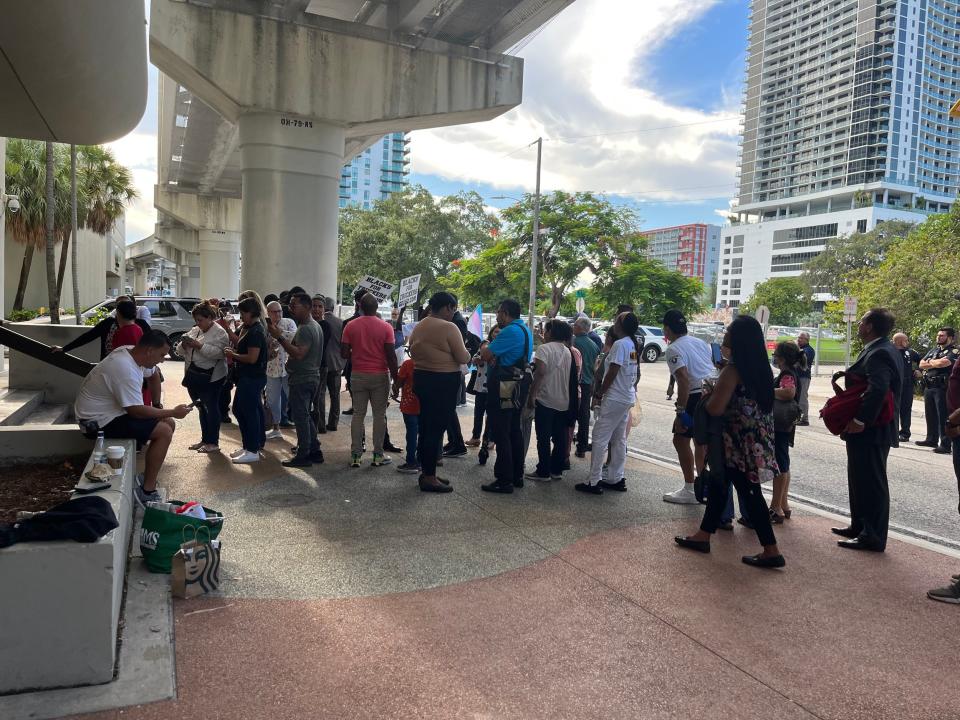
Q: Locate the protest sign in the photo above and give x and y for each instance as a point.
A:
(409, 289)
(380, 289)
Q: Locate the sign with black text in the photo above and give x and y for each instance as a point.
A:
(409, 289)
(380, 289)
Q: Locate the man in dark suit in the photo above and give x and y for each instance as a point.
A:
(868, 444)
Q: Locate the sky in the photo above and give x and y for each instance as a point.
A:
(636, 100)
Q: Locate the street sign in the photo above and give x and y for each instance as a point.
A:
(581, 304)
(380, 289)
(409, 289)
(849, 309)
(772, 333)
(762, 315)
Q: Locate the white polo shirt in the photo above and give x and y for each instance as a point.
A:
(694, 355)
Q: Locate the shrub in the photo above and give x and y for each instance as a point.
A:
(22, 315)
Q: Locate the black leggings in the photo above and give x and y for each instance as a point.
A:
(437, 392)
(750, 496)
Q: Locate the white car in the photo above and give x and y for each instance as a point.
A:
(654, 343)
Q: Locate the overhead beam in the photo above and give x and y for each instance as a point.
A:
(224, 145)
(524, 19)
(199, 212)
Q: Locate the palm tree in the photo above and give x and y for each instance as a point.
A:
(49, 241)
(105, 187)
(26, 171)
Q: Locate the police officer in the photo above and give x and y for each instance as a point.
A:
(936, 366)
(910, 373)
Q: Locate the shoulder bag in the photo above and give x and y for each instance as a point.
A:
(786, 413)
(515, 380)
(845, 404)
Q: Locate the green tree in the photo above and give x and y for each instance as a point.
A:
(410, 233)
(627, 275)
(788, 299)
(104, 188)
(577, 233)
(917, 279)
(846, 256)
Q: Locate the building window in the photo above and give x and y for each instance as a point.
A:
(861, 226)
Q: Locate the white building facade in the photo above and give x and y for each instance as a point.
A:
(845, 126)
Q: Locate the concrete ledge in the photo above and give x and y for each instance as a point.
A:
(27, 373)
(61, 600)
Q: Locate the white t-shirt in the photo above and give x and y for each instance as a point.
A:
(694, 355)
(114, 384)
(554, 389)
(624, 354)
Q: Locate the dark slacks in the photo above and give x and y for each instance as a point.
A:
(438, 401)
(906, 407)
(454, 432)
(479, 411)
(583, 419)
(935, 410)
(750, 497)
(301, 395)
(505, 430)
(329, 385)
(248, 409)
(207, 398)
(868, 489)
(551, 429)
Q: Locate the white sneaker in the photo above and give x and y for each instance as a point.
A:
(681, 497)
(237, 453)
(274, 435)
(246, 457)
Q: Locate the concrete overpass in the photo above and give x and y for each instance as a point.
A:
(261, 102)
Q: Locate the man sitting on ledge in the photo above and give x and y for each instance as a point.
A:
(111, 397)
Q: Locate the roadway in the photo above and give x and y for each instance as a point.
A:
(923, 489)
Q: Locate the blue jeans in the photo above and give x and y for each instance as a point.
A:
(277, 391)
(728, 510)
(301, 396)
(412, 423)
(248, 409)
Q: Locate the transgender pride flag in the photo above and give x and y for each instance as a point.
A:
(475, 323)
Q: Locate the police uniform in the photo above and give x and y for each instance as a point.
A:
(910, 359)
(935, 395)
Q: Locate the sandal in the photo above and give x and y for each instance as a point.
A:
(196, 446)
(473, 442)
(208, 449)
(776, 518)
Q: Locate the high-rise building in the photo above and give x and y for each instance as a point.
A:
(692, 249)
(377, 172)
(845, 126)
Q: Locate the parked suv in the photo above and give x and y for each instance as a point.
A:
(654, 343)
(170, 314)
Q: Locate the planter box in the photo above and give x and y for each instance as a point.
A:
(60, 601)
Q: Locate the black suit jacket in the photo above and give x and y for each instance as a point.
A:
(882, 365)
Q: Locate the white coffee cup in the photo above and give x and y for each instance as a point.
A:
(115, 455)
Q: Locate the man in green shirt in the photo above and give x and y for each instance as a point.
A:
(588, 351)
(304, 354)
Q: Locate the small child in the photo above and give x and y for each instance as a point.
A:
(410, 407)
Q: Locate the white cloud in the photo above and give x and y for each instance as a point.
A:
(138, 151)
(586, 74)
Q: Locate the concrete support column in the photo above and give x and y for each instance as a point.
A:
(139, 279)
(219, 264)
(191, 275)
(886, 196)
(3, 215)
(829, 204)
(291, 184)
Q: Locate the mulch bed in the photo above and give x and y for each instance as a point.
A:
(37, 486)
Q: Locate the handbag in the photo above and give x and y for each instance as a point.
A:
(786, 414)
(196, 377)
(845, 404)
(515, 380)
(195, 568)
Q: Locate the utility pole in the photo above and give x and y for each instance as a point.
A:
(535, 247)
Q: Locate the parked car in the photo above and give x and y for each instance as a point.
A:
(170, 314)
(654, 343)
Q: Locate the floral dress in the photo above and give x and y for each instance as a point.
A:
(748, 438)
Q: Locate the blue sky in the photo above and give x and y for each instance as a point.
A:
(655, 83)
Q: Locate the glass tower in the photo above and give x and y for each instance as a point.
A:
(377, 172)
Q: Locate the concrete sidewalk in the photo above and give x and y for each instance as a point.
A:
(350, 594)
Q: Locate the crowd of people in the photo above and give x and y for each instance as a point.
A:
(735, 423)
